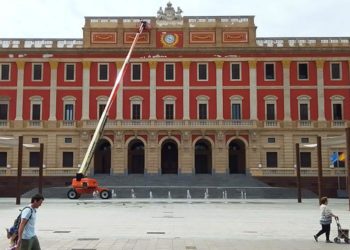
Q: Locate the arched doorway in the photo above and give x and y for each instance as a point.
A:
(203, 158)
(169, 157)
(237, 162)
(136, 157)
(102, 157)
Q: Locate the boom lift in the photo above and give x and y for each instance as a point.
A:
(82, 184)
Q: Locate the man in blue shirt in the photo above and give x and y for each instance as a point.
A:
(27, 239)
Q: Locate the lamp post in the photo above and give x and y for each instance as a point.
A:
(41, 166)
(297, 150)
(19, 170)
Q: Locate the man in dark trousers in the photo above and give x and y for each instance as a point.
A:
(27, 239)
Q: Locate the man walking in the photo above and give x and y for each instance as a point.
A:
(27, 239)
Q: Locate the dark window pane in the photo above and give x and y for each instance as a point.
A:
(335, 71)
(36, 112)
(34, 159)
(68, 140)
(169, 111)
(271, 159)
(202, 111)
(136, 72)
(136, 111)
(303, 71)
(67, 161)
(337, 112)
(202, 71)
(3, 159)
(3, 111)
(269, 71)
(304, 140)
(103, 72)
(271, 140)
(37, 74)
(169, 72)
(68, 112)
(235, 71)
(236, 111)
(304, 111)
(5, 72)
(305, 159)
(101, 108)
(70, 72)
(270, 112)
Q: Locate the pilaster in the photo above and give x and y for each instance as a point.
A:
(86, 90)
(286, 89)
(152, 89)
(53, 90)
(320, 90)
(19, 97)
(219, 91)
(119, 102)
(253, 90)
(186, 89)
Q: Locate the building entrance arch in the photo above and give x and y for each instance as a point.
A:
(203, 157)
(169, 157)
(102, 157)
(237, 159)
(136, 157)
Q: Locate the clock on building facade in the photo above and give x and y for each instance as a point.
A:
(169, 39)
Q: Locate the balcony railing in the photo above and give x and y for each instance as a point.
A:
(338, 124)
(305, 124)
(271, 124)
(35, 171)
(292, 172)
(67, 124)
(4, 124)
(35, 123)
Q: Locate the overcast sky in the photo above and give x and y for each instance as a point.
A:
(274, 18)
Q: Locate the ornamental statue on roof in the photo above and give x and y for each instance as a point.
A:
(169, 13)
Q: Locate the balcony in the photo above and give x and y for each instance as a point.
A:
(288, 172)
(338, 124)
(271, 124)
(35, 171)
(4, 124)
(67, 124)
(35, 124)
(305, 124)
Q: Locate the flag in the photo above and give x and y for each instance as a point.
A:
(334, 157)
(341, 157)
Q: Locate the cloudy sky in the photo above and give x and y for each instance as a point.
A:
(274, 18)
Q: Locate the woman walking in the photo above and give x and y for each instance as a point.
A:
(325, 220)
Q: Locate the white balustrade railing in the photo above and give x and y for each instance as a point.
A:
(292, 172)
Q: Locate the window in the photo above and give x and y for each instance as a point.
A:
(69, 72)
(68, 112)
(202, 72)
(103, 72)
(136, 72)
(303, 72)
(303, 112)
(235, 71)
(169, 111)
(3, 159)
(269, 71)
(37, 72)
(304, 140)
(305, 159)
(3, 111)
(36, 112)
(4, 72)
(136, 111)
(68, 140)
(169, 72)
(270, 112)
(35, 140)
(335, 71)
(338, 159)
(34, 159)
(236, 111)
(101, 108)
(271, 140)
(67, 159)
(337, 112)
(202, 111)
(271, 159)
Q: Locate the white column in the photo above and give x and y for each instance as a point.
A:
(253, 91)
(219, 93)
(86, 90)
(286, 90)
(19, 97)
(186, 90)
(119, 94)
(53, 90)
(320, 90)
(152, 90)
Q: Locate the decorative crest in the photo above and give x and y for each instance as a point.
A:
(169, 13)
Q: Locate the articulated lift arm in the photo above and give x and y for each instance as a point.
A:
(103, 119)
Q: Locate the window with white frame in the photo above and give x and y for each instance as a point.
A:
(5, 69)
(37, 71)
(236, 107)
(169, 107)
(169, 72)
(269, 69)
(136, 107)
(337, 107)
(270, 108)
(202, 71)
(69, 71)
(3, 159)
(4, 108)
(202, 107)
(68, 108)
(136, 72)
(303, 71)
(335, 68)
(103, 71)
(235, 71)
(101, 104)
(35, 108)
(304, 108)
